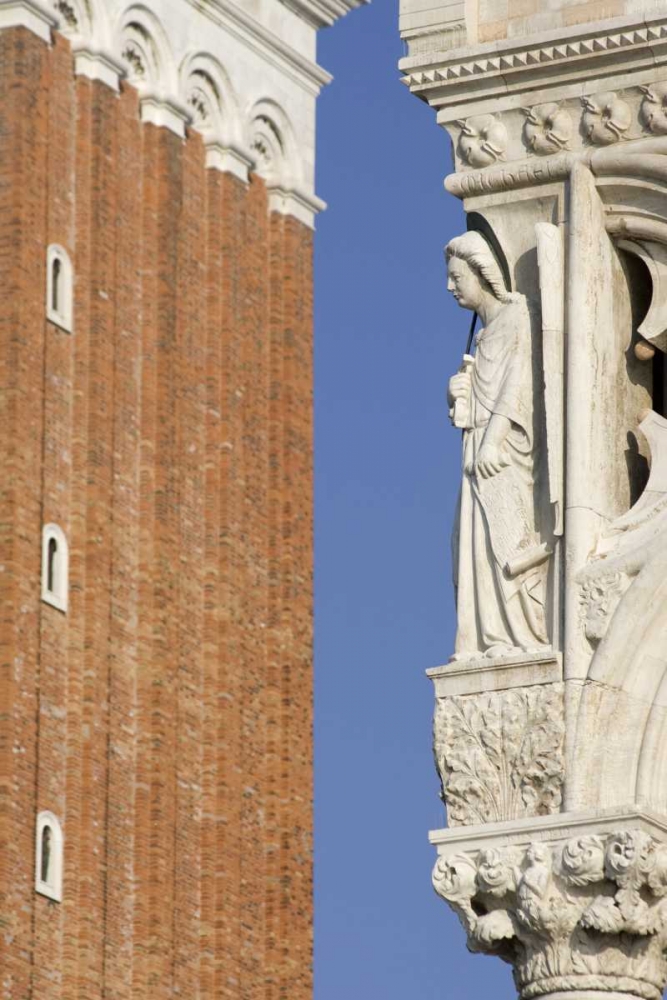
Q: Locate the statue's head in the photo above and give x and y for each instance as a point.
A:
(473, 272)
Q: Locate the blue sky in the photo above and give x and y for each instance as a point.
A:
(387, 469)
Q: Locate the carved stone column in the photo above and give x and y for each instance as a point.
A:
(550, 731)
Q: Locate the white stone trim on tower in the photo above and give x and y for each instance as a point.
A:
(202, 67)
(28, 14)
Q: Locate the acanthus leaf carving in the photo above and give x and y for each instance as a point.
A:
(589, 914)
(500, 755)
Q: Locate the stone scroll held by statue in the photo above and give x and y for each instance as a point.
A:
(500, 560)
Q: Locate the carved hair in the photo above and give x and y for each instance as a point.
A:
(475, 251)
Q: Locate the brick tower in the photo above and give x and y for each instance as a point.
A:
(156, 212)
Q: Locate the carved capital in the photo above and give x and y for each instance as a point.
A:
(500, 755)
(587, 914)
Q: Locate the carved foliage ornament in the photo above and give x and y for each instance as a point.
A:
(500, 755)
(548, 128)
(483, 140)
(587, 915)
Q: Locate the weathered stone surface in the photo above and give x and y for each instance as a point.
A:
(500, 755)
(587, 915)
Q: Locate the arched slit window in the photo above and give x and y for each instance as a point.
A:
(56, 275)
(55, 566)
(60, 288)
(49, 856)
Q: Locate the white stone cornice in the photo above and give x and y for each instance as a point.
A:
(100, 66)
(300, 205)
(244, 27)
(30, 14)
(458, 79)
(322, 13)
(229, 160)
(164, 113)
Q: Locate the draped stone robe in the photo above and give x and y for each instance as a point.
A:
(498, 602)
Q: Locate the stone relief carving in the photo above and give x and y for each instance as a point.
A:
(590, 914)
(499, 555)
(68, 14)
(548, 128)
(606, 118)
(653, 111)
(599, 598)
(483, 140)
(500, 755)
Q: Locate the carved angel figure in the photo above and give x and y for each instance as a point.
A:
(499, 560)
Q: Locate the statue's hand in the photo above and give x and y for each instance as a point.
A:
(459, 387)
(491, 459)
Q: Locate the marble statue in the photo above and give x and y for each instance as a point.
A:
(499, 558)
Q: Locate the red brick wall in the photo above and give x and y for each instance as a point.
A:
(166, 718)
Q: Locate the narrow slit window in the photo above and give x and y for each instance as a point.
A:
(47, 837)
(55, 566)
(49, 856)
(57, 267)
(51, 568)
(60, 288)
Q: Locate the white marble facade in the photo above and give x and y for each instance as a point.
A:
(551, 742)
(243, 72)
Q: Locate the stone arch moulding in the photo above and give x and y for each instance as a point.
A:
(632, 183)
(86, 24)
(59, 288)
(149, 63)
(207, 93)
(49, 844)
(55, 567)
(275, 149)
(622, 718)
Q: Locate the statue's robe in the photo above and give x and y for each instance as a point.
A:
(496, 524)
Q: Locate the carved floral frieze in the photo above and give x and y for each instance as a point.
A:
(606, 118)
(590, 914)
(483, 140)
(500, 755)
(553, 128)
(548, 128)
(653, 111)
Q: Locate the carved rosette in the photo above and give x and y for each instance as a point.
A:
(653, 111)
(500, 755)
(606, 118)
(483, 140)
(548, 129)
(589, 914)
